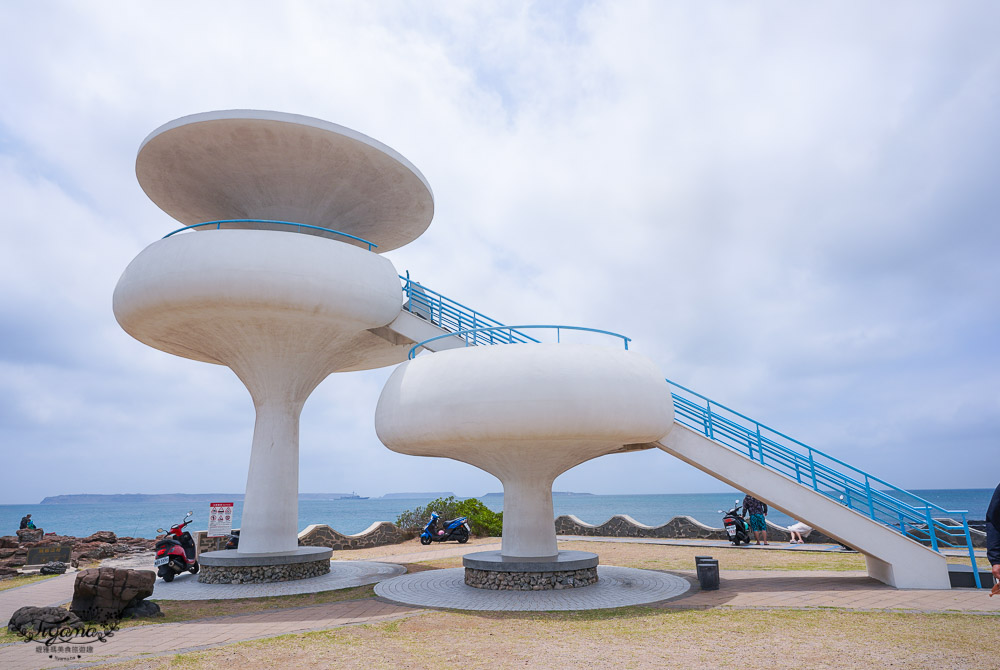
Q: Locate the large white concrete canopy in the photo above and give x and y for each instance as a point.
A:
(525, 413)
(283, 311)
(253, 164)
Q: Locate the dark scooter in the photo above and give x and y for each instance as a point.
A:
(176, 552)
(736, 526)
(456, 529)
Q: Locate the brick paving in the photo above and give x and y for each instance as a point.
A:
(175, 638)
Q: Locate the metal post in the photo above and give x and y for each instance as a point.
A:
(930, 528)
(871, 504)
(708, 415)
(812, 469)
(972, 553)
(760, 445)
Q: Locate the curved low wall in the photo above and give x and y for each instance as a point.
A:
(679, 527)
(321, 535)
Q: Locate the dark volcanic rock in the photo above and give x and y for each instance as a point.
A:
(100, 594)
(53, 568)
(143, 609)
(9, 542)
(41, 620)
(102, 536)
(30, 535)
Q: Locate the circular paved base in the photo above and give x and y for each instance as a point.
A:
(342, 575)
(617, 587)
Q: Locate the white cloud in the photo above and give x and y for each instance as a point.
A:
(790, 209)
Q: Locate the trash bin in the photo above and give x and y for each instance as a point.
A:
(708, 575)
(699, 559)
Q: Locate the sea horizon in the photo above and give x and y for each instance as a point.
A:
(351, 516)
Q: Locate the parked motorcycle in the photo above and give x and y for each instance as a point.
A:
(456, 529)
(736, 526)
(233, 541)
(176, 551)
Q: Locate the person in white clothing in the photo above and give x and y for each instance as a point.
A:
(799, 532)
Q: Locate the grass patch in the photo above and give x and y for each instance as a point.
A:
(21, 580)
(671, 557)
(633, 637)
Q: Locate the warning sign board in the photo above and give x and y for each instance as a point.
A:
(220, 519)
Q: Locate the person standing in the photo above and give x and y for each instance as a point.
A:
(758, 517)
(993, 534)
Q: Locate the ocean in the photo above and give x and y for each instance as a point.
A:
(353, 516)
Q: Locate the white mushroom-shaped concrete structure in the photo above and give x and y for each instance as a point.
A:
(282, 309)
(525, 413)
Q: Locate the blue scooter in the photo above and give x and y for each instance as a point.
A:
(456, 529)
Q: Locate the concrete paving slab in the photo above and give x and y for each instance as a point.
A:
(616, 587)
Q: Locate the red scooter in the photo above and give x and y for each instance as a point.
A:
(176, 552)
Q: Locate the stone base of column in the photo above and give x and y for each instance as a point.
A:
(232, 567)
(569, 569)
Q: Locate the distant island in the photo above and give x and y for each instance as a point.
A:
(91, 498)
(99, 498)
(555, 493)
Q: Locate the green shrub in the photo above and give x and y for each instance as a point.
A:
(483, 521)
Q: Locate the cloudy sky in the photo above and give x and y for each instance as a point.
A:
(791, 208)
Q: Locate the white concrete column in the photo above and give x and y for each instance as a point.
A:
(270, 520)
(528, 529)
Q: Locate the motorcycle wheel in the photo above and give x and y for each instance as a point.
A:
(168, 576)
(194, 568)
(463, 539)
(425, 540)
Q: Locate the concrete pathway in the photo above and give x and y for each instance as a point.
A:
(849, 590)
(175, 638)
(50, 592)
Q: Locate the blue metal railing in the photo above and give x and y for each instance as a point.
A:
(454, 316)
(506, 335)
(911, 515)
(298, 226)
(877, 499)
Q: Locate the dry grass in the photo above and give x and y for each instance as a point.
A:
(21, 580)
(632, 637)
(670, 557)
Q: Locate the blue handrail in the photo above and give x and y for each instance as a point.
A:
(877, 499)
(218, 226)
(449, 314)
(509, 339)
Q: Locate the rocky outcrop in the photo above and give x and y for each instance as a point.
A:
(30, 535)
(100, 545)
(679, 527)
(103, 594)
(41, 620)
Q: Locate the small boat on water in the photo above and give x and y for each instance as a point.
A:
(354, 496)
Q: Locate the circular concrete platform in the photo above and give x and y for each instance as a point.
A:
(256, 164)
(342, 575)
(618, 587)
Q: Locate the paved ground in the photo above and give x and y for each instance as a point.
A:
(174, 638)
(849, 590)
(739, 589)
(617, 587)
